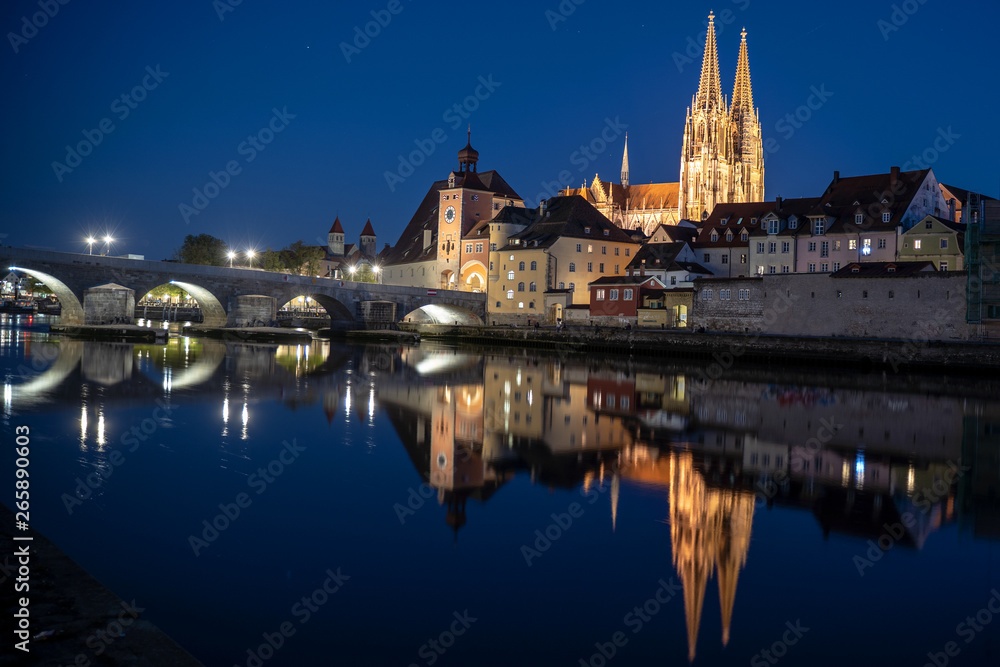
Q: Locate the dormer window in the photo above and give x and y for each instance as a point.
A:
(793, 222)
(586, 230)
(715, 236)
(607, 232)
(891, 269)
(729, 235)
(855, 269)
(819, 226)
(725, 220)
(886, 216)
(772, 226)
(753, 221)
(744, 236)
(859, 218)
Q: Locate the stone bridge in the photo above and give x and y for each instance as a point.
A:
(89, 290)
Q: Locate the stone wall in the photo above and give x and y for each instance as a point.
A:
(108, 304)
(250, 309)
(717, 305)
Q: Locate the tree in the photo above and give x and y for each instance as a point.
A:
(300, 256)
(272, 260)
(364, 274)
(203, 249)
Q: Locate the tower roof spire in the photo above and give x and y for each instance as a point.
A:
(710, 87)
(625, 164)
(742, 91)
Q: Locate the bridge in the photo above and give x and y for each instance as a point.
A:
(90, 291)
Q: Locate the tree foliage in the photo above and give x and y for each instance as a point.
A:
(203, 249)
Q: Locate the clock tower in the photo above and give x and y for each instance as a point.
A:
(465, 202)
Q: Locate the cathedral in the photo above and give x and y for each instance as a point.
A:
(722, 159)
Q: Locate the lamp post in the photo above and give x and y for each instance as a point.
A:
(107, 245)
(250, 255)
(232, 255)
(90, 245)
(351, 270)
(378, 275)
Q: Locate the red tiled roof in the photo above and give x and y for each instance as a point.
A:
(368, 230)
(337, 228)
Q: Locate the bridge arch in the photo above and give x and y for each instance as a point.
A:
(72, 309)
(212, 311)
(335, 308)
(443, 313)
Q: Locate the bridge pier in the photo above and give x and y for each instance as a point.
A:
(109, 303)
(244, 308)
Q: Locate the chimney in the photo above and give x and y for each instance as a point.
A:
(893, 176)
(777, 203)
(836, 177)
(542, 205)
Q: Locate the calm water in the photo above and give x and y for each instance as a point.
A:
(468, 508)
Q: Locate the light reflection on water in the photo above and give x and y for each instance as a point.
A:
(757, 493)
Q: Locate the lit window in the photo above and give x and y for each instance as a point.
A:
(600, 295)
(520, 304)
(510, 295)
(590, 248)
(852, 244)
(510, 275)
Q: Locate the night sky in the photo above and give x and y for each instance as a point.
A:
(892, 85)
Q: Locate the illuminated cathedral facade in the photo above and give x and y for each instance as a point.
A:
(722, 158)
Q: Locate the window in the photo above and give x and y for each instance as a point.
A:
(786, 246)
(836, 266)
(590, 248)
(760, 247)
(715, 236)
(892, 295)
(772, 248)
(760, 270)
(475, 197)
(944, 244)
(520, 304)
(706, 295)
(572, 267)
(824, 268)
(744, 295)
(793, 222)
(812, 246)
(534, 266)
(510, 295)
(812, 268)
(744, 236)
(600, 295)
(886, 216)
(944, 266)
(916, 244)
(628, 295)
(586, 230)
(836, 245)
(772, 226)
(520, 287)
(725, 259)
(562, 285)
(881, 244)
(824, 249)
(784, 268)
(607, 232)
(579, 247)
(864, 294)
(859, 218)
(724, 294)
(673, 280)
(604, 250)
(491, 267)
(520, 266)
(493, 246)
(572, 287)
(612, 295)
(616, 268)
(533, 287)
(839, 294)
(852, 244)
(601, 267)
(479, 247)
(510, 275)
(618, 252)
(743, 258)
(628, 251)
(929, 225)
(708, 258)
(772, 269)
(468, 248)
(819, 226)
(590, 267)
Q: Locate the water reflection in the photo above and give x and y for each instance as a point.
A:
(851, 459)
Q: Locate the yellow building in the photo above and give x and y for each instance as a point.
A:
(566, 245)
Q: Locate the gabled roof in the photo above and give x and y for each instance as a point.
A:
(871, 196)
(961, 194)
(958, 227)
(566, 217)
(883, 269)
(655, 256)
(678, 232)
(628, 281)
(368, 230)
(747, 216)
(410, 246)
(337, 227)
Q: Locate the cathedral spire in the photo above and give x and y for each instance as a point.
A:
(742, 91)
(625, 164)
(709, 88)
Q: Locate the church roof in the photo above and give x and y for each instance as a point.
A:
(368, 230)
(337, 227)
(410, 246)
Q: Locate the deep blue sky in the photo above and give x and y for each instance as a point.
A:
(890, 97)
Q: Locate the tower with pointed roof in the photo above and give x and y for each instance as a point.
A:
(625, 164)
(335, 239)
(369, 242)
(722, 156)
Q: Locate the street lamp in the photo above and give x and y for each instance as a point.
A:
(232, 255)
(90, 245)
(250, 255)
(378, 276)
(107, 245)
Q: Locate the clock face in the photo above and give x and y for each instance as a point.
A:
(449, 214)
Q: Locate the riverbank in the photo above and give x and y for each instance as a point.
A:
(725, 350)
(130, 333)
(78, 611)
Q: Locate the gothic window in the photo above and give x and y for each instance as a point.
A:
(520, 266)
(533, 287)
(534, 266)
(520, 287)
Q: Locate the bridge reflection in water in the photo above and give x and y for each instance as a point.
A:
(471, 423)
